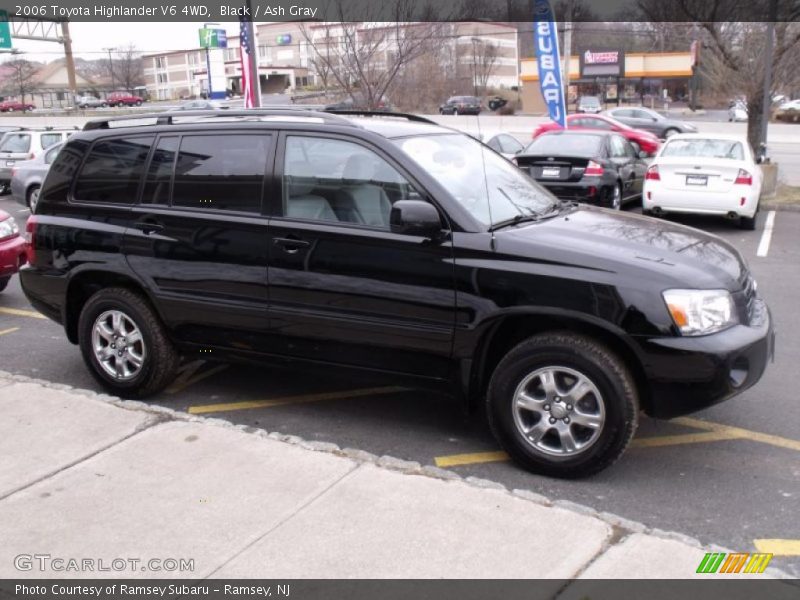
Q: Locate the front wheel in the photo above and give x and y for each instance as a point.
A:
(563, 405)
(670, 132)
(138, 103)
(125, 345)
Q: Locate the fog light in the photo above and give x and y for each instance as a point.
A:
(739, 371)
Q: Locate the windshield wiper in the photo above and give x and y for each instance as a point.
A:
(514, 221)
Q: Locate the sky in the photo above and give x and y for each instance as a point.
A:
(90, 39)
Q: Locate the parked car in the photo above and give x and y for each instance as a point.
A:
(15, 106)
(639, 117)
(27, 177)
(505, 143)
(6, 128)
(789, 112)
(389, 245)
(642, 140)
(709, 174)
(589, 104)
(587, 166)
(461, 105)
(790, 105)
(737, 111)
(360, 103)
(12, 249)
(25, 145)
(200, 104)
(123, 99)
(90, 102)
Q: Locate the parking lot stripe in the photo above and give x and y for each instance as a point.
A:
(187, 376)
(304, 399)
(778, 547)
(738, 432)
(12, 330)
(16, 312)
(766, 236)
(474, 458)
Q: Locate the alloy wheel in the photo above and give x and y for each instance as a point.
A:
(118, 345)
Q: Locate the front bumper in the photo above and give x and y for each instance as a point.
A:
(12, 255)
(687, 374)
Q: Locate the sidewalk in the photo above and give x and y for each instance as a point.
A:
(84, 475)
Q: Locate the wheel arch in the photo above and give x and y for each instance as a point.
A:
(508, 330)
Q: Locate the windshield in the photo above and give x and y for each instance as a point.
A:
(586, 146)
(15, 142)
(490, 187)
(705, 148)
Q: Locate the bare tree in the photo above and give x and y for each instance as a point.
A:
(484, 59)
(21, 80)
(733, 58)
(366, 57)
(128, 69)
(320, 60)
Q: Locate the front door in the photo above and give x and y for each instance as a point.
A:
(199, 238)
(343, 287)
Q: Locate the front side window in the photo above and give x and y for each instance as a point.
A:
(491, 188)
(224, 172)
(335, 180)
(113, 170)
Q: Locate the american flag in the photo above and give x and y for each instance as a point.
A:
(248, 91)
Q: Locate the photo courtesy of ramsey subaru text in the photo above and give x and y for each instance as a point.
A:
(387, 242)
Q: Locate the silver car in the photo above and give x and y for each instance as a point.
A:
(90, 102)
(27, 177)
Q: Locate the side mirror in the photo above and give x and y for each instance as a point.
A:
(643, 154)
(415, 217)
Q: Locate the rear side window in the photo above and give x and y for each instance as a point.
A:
(48, 139)
(159, 175)
(224, 172)
(113, 170)
(16, 142)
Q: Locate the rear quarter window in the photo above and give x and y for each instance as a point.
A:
(61, 173)
(113, 170)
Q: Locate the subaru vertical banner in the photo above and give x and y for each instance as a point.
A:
(545, 41)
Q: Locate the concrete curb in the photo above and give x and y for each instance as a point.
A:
(780, 206)
(621, 527)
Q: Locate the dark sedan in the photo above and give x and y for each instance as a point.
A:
(594, 167)
(639, 117)
(461, 105)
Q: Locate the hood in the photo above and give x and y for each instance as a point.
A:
(634, 245)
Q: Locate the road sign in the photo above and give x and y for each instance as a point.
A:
(5, 31)
(213, 38)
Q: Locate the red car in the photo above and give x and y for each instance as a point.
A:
(14, 105)
(643, 139)
(12, 249)
(123, 99)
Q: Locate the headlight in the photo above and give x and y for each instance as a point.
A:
(698, 312)
(8, 228)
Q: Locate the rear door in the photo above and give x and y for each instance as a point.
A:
(343, 287)
(199, 237)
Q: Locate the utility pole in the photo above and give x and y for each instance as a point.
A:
(254, 77)
(111, 66)
(70, 62)
(767, 97)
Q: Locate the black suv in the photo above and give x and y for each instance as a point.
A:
(392, 244)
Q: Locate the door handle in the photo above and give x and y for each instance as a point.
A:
(148, 226)
(291, 245)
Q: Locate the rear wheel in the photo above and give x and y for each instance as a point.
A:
(563, 405)
(614, 197)
(748, 223)
(138, 103)
(670, 132)
(4, 282)
(125, 345)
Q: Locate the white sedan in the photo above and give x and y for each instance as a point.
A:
(711, 174)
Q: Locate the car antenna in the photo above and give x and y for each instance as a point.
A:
(492, 240)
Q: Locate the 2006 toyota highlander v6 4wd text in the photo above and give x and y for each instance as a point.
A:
(387, 243)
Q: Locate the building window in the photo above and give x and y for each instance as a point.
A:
(161, 62)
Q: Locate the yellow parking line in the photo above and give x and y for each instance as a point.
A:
(12, 330)
(16, 312)
(474, 458)
(187, 376)
(212, 408)
(778, 547)
(684, 438)
(738, 432)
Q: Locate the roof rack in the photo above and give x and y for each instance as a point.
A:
(168, 118)
(380, 113)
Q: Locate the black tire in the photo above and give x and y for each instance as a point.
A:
(32, 198)
(138, 103)
(161, 359)
(594, 361)
(10, 109)
(610, 201)
(671, 131)
(4, 282)
(748, 223)
(104, 105)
